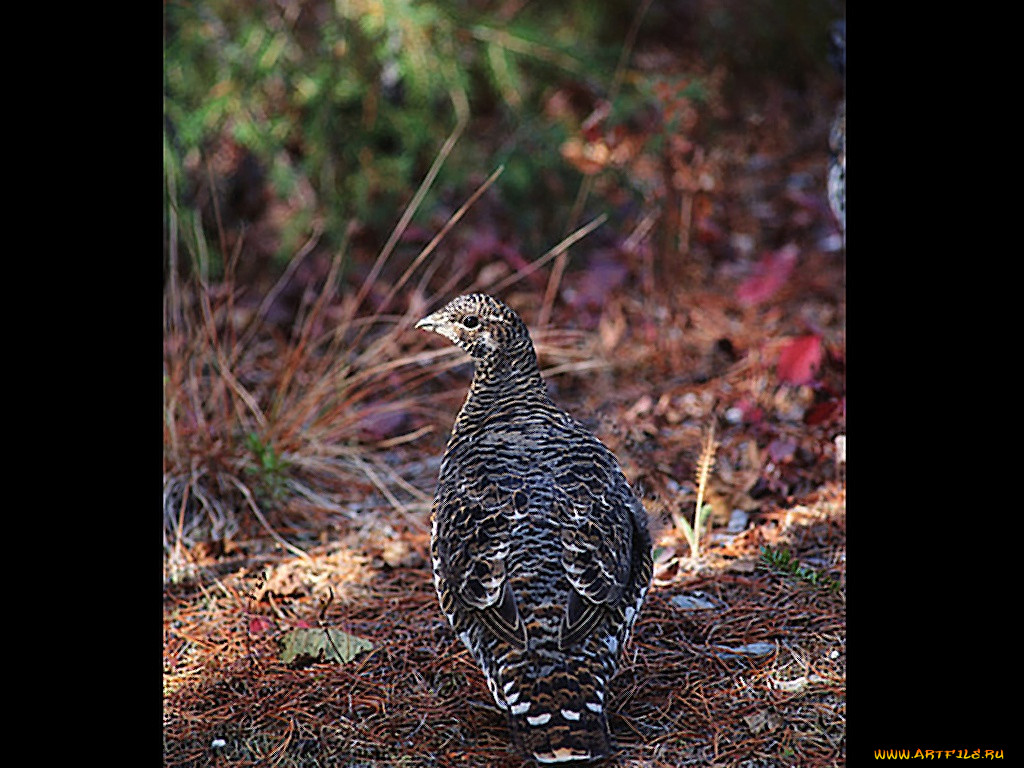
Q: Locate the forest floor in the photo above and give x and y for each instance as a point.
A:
(739, 656)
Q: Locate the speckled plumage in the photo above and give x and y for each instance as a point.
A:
(540, 549)
(837, 135)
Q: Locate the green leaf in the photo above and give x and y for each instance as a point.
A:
(307, 646)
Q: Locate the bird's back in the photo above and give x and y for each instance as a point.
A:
(537, 492)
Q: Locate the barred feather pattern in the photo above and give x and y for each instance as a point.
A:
(837, 167)
(837, 135)
(540, 549)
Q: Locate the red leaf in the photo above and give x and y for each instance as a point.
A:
(770, 273)
(823, 412)
(799, 360)
(750, 412)
(259, 624)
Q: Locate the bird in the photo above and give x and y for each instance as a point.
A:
(540, 549)
(837, 134)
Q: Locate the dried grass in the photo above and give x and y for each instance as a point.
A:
(248, 423)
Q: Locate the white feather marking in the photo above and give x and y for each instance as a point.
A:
(561, 755)
(519, 709)
(568, 714)
(539, 719)
(594, 707)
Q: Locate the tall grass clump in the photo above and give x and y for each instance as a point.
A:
(253, 418)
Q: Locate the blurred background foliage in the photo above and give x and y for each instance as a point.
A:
(288, 120)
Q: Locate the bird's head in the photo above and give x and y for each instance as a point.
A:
(480, 324)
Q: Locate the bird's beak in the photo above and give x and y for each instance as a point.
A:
(428, 323)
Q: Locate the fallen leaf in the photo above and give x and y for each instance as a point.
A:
(819, 413)
(770, 274)
(761, 721)
(743, 566)
(378, 424)
(258, 624)
(799, 359)
(306, 646)
(781, 449)
(737, 521)
(797, 684)
(587, 157)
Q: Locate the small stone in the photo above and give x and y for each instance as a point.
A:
(691, 603)
(737, 521)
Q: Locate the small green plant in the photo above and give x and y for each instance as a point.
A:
(270, 468)
(343, 105)
(701, 510)
(783, 562)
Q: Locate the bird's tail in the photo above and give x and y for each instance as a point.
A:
(559, 717)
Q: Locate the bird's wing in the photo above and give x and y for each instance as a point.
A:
(593, 505)
(474, 544)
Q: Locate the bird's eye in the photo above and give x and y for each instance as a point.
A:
(470, 321)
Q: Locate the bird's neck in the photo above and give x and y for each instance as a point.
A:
(511, 383)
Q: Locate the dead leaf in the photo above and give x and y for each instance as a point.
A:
(258, 624)
(797, 684)
(761, 721)
(307, 646)
(742, 566)
(799, 360)
(587, 158)
(770, 274)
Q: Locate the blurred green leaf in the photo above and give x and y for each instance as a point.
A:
(307, 646)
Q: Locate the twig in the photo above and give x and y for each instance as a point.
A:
(461, 105)
(519, 274)
(278, 286)
(429, 248)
